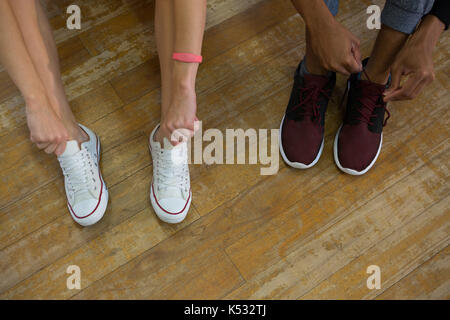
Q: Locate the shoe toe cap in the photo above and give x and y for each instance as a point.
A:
(357, 150)
(301, 141)
(89, 211)
(171, 210)
(173, 205)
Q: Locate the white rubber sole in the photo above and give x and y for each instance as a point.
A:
(168, 217)
(297, 165)
(351, 171)
(97, 215)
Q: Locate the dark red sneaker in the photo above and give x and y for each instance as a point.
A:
(358, 141)
(301, 130)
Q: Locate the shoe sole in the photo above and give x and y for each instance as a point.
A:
(168, 217)
(348, 170)
(298, 165)
(98, 213)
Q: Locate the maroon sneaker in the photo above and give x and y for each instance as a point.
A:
(301, 130)
(358, 141)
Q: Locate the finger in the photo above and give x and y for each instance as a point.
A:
(190, 126)
(356, 40)
(357, 56)
(340, 69)
(181, 135)
(50, 148)
(60, 148)
(196, 125)
(351, 65)
(42, 145)
(406, 92)
(396, 75)
(420, 87)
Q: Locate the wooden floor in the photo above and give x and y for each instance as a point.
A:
(295, 235)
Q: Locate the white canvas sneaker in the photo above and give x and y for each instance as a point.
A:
(170, 191)
(87, 195)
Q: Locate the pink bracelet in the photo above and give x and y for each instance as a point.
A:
(187, 57)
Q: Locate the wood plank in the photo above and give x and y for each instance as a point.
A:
(295, 274)
(429, 281)
(206, 278)
(396, 255)
(101, 255)
(124, 28)
(54, 240)
(328, 194)
(93, 12)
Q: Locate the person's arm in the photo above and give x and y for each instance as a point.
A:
(46, 129)
(335, 46)
(415, 60)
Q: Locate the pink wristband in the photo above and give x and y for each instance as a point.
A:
(187, 57)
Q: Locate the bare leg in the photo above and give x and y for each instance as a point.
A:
(38, 38)
(179, 104)
(46, 128)
(164, 34)
(388, 44)
(313, 64)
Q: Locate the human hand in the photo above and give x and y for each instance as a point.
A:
(46, 128)
(415, 60)
(177, 123)
(335, 46)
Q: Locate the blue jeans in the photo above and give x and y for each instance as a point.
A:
(400, 15)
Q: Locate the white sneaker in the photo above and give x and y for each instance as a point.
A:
(87, 196)
(170, 191)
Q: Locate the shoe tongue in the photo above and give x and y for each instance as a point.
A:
(72, 147)
(311, 80)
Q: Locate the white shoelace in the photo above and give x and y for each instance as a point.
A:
(78, 169)
(171, 174)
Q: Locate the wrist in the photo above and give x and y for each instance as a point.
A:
(315, 13)
(35, 101)
(429, 31)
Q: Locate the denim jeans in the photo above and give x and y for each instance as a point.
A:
(400, 15)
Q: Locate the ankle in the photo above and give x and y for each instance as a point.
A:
(183, 76)
(312, 64)
(376, 76)
(316, 69)
(76, 133)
